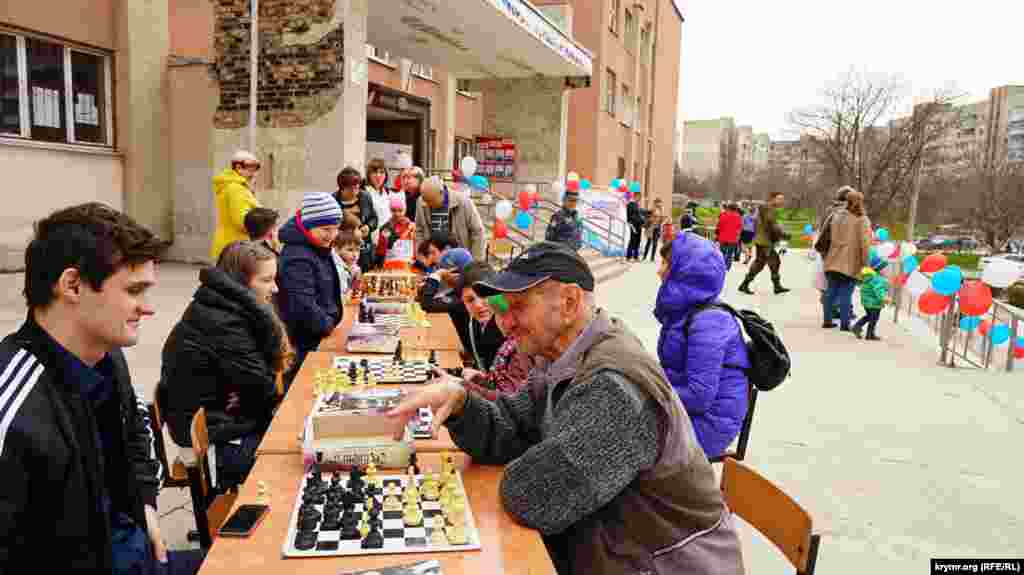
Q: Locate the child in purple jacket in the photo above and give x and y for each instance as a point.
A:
(706, 366)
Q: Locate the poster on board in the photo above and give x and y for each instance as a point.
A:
(602, 210)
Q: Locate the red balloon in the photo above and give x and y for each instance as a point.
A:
(984, 327)
(975, 298)
(525, 200)
(932, 302)
(573, 185)
(1018, 352)
(500, 229)
(623, 185)
(932, 263)
(902, 280)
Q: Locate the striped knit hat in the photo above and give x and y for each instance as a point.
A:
(320, 209)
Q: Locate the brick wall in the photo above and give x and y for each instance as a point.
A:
(301, 64)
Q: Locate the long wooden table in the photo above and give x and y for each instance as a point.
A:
(506, 547)
(441, 336)
(285, 433)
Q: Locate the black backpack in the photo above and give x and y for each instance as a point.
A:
(769, 360)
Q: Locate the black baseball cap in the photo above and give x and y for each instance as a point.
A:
(540, 262)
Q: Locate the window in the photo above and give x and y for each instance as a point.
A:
(52, 92)
(463, 148)
(645, 43)
(627, 106)
(622, 168)
(610, 95)
(10, 86)
(375, 53)
(639, 111)
(613, 16)
(629, 29)
(423, 71)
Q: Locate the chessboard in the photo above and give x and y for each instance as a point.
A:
(394, 321)
(384, 371)
(363, 513)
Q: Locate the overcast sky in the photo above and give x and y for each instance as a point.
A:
(756, 60)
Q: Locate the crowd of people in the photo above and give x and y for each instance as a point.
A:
(606, 446)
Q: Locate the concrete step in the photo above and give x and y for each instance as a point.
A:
(604, 268)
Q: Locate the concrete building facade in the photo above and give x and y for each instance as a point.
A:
(706, 145)
(624, 124)
(797, 159)
(138, 104)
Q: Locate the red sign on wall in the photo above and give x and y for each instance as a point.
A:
(496, 157)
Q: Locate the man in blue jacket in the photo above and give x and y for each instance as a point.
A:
(309, 299)
(78, 476)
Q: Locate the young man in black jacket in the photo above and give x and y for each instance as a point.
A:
(78, 476)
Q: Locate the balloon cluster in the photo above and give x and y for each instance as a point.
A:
(468, 174)
(936, 283)
(628, 189)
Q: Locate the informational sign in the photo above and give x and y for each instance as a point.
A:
(604, 210)
(496, 157)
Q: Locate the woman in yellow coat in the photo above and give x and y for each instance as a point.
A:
(233, 198)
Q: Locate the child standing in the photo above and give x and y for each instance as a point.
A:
(397, 237)
(346, 256)
(873, 291)
(261, 225)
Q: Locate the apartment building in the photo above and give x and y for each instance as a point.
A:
(706, 146)
(624, 124)
(797, 159)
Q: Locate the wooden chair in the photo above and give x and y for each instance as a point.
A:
(176, 474)
(773, 513)
(199, 476)
(741, 444)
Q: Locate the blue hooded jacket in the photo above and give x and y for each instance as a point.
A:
(715, 396)
(309, 299)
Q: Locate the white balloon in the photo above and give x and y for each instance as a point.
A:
(908, 249)
(503, 209)
(885, 250)
(468, 166)
(1000, 273)
(918, 283)
(572, 176)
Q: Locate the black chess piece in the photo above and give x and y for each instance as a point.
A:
(398, 351)
(331, 523)
(309, 511)
(306, 540)
(433, 357)
(350, 533)
(371, 315)
(307, 522)
(352, 370)
(414, 463)
(364, 363)
(374, 539)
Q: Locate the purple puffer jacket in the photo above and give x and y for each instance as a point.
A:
(715, 396)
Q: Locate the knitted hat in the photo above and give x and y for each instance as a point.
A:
(397, 202)
(456, 258)
(320, 209)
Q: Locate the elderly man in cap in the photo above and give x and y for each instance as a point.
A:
(233, 197)
(599, 453)
(566, 226)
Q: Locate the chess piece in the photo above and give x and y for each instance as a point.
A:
(398, 352)
(411, 515)
(456, 535)
(391, 503)
(305, 540)
(261, 493)
(431, 492)
(371, 379)
(457, 512)
(364, 526)
(373, 539)
(371, 471)
(437, 536)
(352, 370)
(414, 468)
(433, 357)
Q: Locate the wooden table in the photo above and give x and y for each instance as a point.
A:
(441, 336)
(506, 547)
(284, 434)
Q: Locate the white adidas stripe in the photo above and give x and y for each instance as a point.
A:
(13, 395)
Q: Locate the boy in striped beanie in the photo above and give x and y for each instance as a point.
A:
(309, 299)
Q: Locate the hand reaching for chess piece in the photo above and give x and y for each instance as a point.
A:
(445, 397)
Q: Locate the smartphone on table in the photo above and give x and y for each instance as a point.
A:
(244, 520)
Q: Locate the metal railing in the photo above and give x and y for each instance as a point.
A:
(969, 348)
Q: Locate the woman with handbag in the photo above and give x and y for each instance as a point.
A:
(849, 241)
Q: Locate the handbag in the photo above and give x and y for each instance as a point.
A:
(824, 242)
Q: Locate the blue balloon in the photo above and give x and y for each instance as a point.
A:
(523, 220)
(634, 187)
(1000, 334)
(875, 262)
(947, 280)
(479, 182)
(615, 184)
(883, 235)
(808, 228)
(1020, 342)
(970, 323)
(584, 184)
(909, 264)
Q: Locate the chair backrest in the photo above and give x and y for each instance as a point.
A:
(279, 383)
(200, 445)
(156, 425)
(748, 421)
(772, 512)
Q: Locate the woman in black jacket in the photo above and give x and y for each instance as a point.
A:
(224, 356)
(355, 201)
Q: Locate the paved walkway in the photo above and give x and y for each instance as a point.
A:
(897, 459)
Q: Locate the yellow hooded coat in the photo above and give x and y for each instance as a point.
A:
(233, 200)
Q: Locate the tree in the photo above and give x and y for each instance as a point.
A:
(687, 185)
(727, 156)
(855, 135)
(990, 196)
